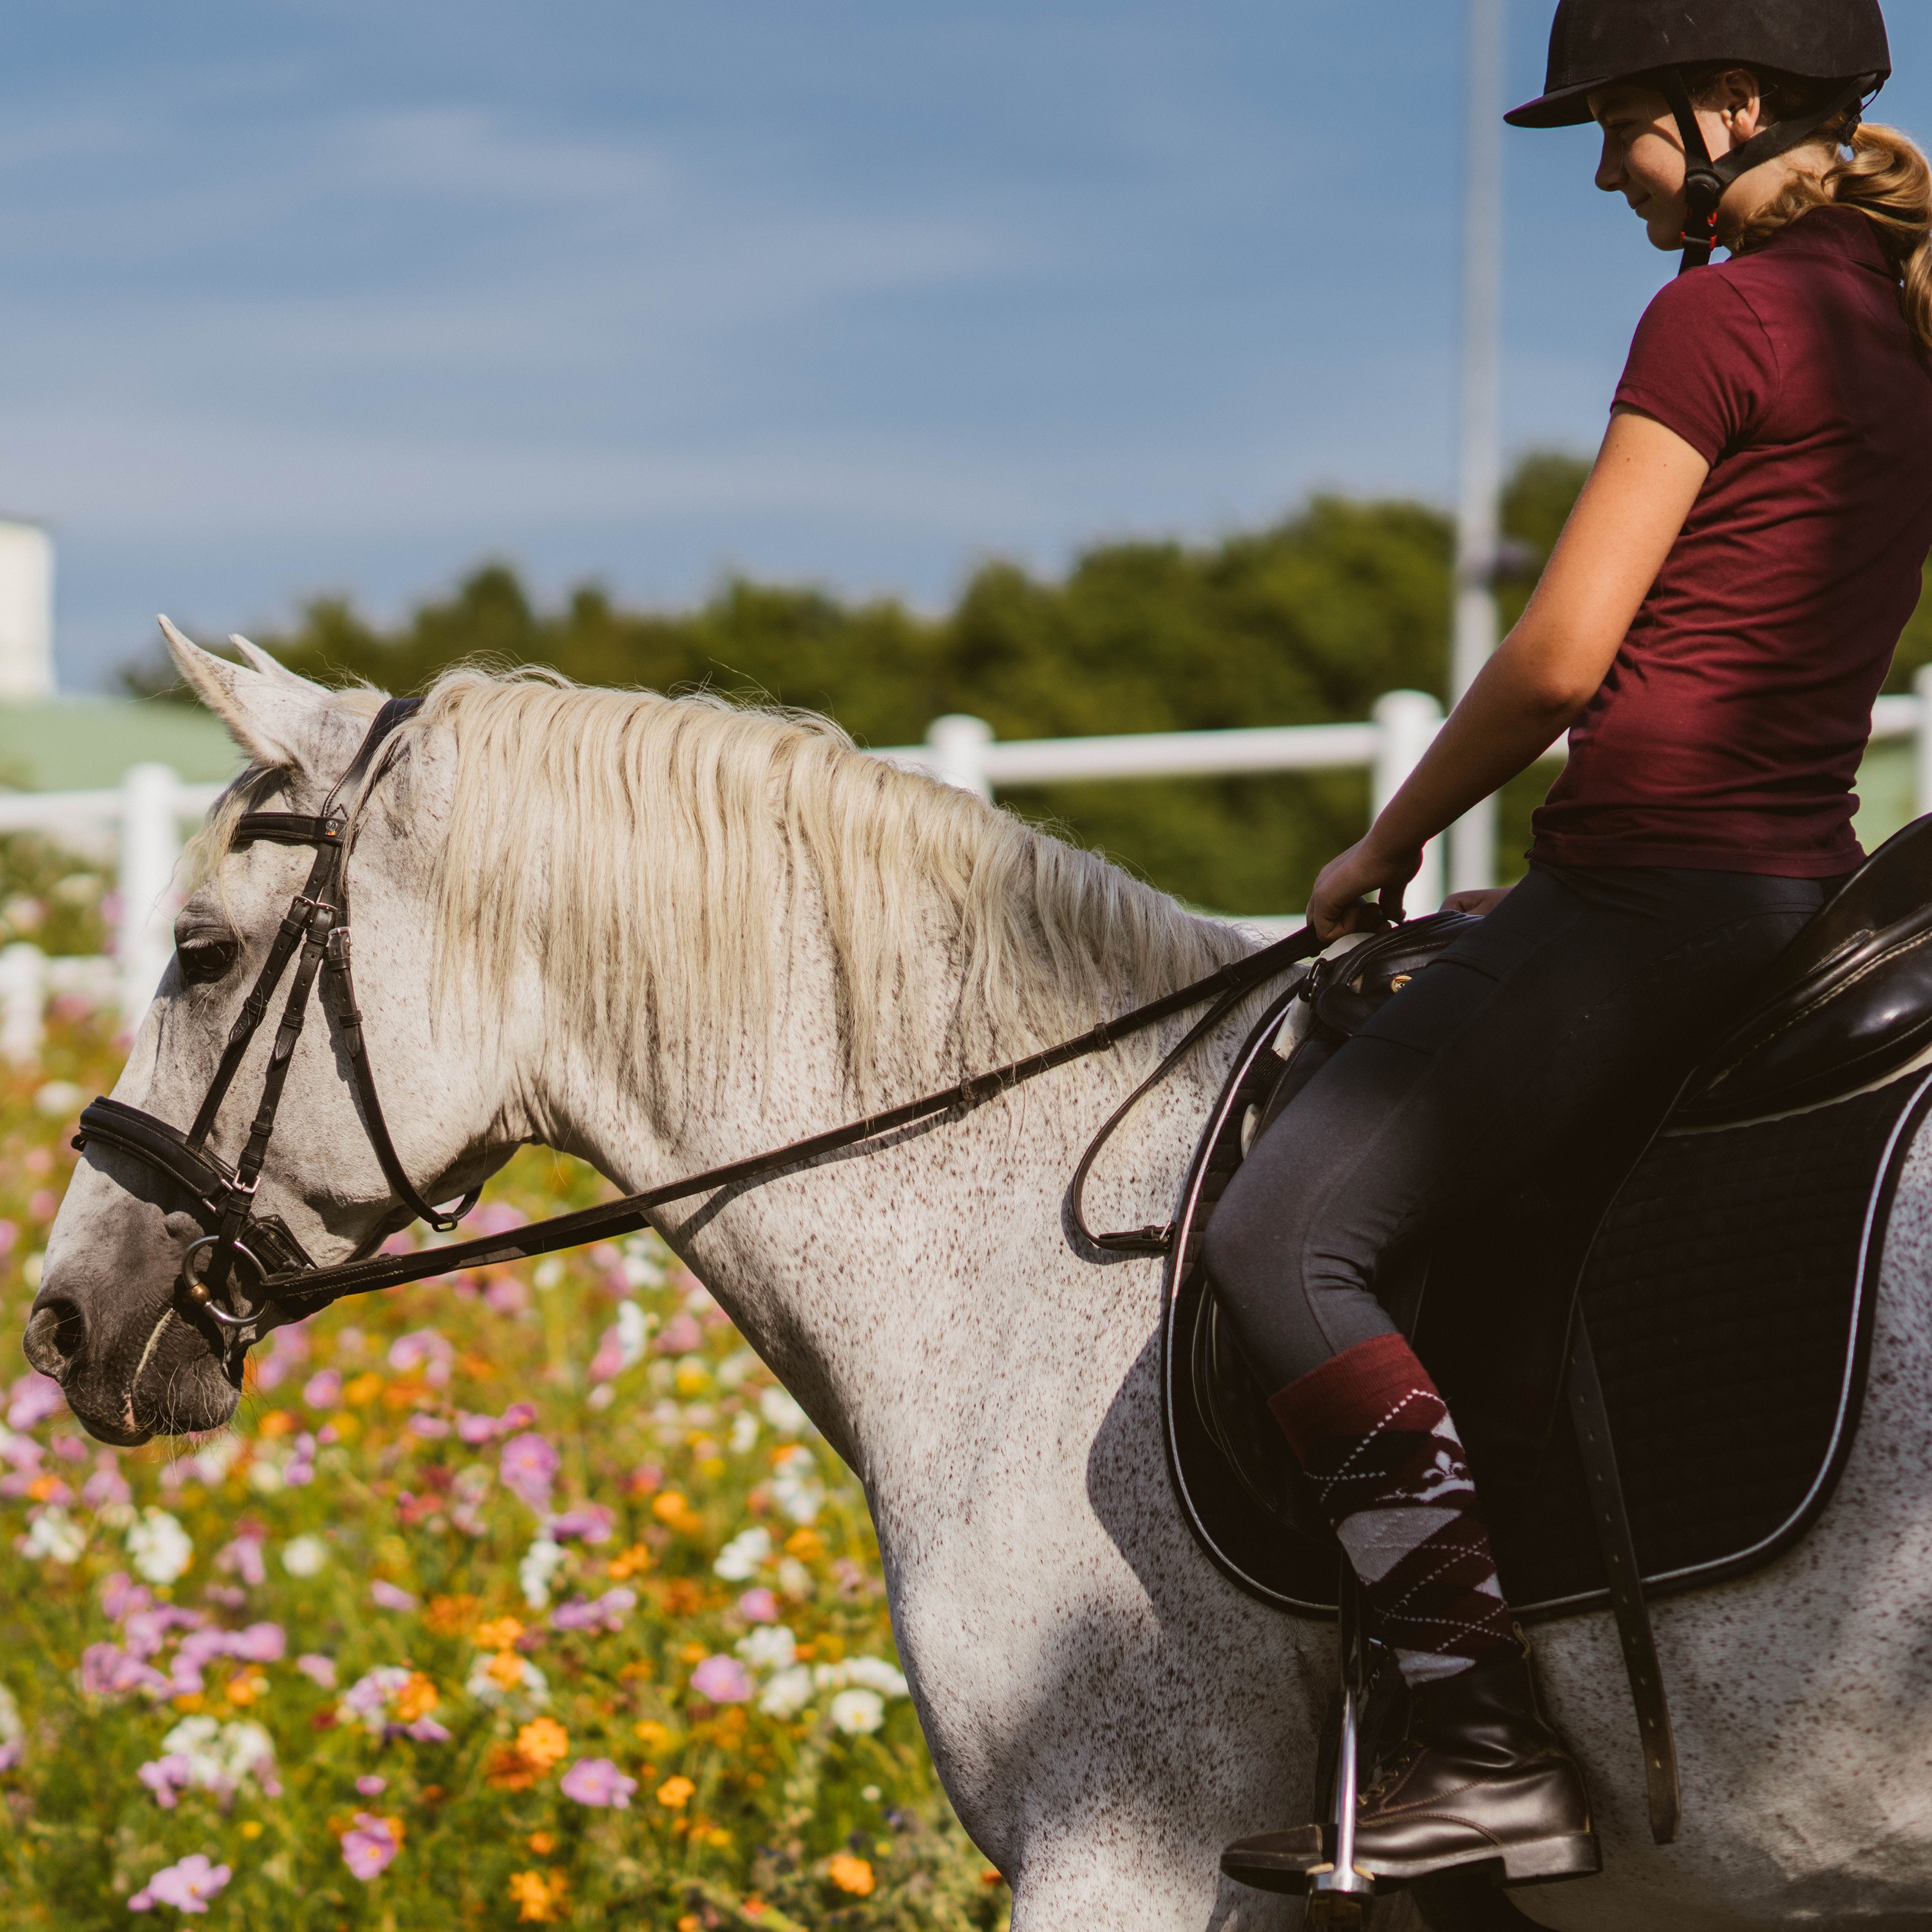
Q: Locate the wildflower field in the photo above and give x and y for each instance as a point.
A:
(520, 1597)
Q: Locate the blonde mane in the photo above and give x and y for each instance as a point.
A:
(657, 852)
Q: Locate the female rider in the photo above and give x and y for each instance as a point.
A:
(1711, 631)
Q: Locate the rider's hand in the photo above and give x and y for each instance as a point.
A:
(1486, 900)
(1339, 901)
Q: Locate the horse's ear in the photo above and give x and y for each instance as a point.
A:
(277, 718)
(273, 667)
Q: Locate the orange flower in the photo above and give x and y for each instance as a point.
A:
(543, 1742)
(500, 1633)
(672, 1508)
(851, 1874)
(245, 1686)
(416, 1699)
(277, 1422)
(539, 1896)
(506, 1668)
(991, 1877)
(805, 1544)
(655, 1734)
(446, 1615)
(674, 1794)
(543, 1844)
(509, 1770)
(683, 1597)
(365, 1388)
(634, 1561)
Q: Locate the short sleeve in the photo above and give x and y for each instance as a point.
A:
(1701, 363)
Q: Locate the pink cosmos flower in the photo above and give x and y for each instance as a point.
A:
(187, 1886)
(596, 1780)
(429, 1427)
(607, 1612)
(167, 1777)
(244, 1556)
(371, 1786)
(10, 1754)
(507, 1295)
(528, 1469)
(590, 1521)
(106, 1487)
(425, 1349)
(323, 1389)
(32, 1399)
(609, 1359)
(287, 1350)
(681, 1337)
(723, 1679)
(317, 1668)
(370, 1847)
(390, 1597)
(476, 1429)
(758, 1607)
(69, 1448)
(107, 1671)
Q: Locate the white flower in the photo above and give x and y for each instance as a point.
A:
(795, 1485)
(795, 1580)
(159, 1546)
(548, 1274)
(265, 1476)
(744, 1433)
(782, 1414)
(304, 1555)
(643, 1262)
(634, 1331)
(541, 1562)
(788, 1693)
(741, 1558)
(528, 1695)
(11, 1728)
(54, 1534)
(857, 1712)
(876, 1674)
(771, 1648)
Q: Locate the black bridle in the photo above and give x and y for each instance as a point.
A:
(315, 931)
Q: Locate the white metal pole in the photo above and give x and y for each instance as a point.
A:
(150, 845)
(959, 751)
(1408, 720)
(1472, 839)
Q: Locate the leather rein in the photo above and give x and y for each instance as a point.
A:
(287, 1286)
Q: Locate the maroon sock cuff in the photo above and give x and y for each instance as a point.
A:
(1350, 1394)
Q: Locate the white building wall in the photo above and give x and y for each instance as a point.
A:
(26, 612)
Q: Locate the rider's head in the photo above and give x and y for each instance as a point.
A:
(1724, 120)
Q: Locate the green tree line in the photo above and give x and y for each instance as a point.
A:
(1307, 622)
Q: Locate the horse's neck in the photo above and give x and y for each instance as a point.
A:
(883, 1285)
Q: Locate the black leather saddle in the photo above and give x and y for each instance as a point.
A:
(1721, 1303)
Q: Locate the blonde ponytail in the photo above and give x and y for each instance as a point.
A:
(1886, 179)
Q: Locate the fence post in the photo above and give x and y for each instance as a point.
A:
(1408, 721)
(23, 996)
(150, 846)
(1921, 743)
(959, 746)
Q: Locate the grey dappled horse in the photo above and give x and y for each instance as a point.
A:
(661, 933)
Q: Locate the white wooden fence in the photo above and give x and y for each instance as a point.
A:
(146, 813)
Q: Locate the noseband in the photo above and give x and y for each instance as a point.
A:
(287, 1286)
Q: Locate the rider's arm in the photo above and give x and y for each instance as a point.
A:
(1645, 479)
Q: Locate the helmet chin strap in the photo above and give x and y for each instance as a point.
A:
(1705, 180)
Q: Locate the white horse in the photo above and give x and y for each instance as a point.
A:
(661, 934)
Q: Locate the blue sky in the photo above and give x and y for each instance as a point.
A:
(342, 296)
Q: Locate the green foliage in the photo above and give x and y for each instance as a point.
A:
(742, 1677)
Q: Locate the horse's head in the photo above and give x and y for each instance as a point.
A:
(119, 1320)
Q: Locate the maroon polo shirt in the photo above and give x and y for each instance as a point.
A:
(1727, 735)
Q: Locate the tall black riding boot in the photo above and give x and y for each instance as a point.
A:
(1481, 1779)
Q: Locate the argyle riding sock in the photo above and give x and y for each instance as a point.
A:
(1376, 1440)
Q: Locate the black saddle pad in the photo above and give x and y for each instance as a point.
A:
(1729, 1294)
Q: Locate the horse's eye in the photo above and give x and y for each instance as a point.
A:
(203, 960)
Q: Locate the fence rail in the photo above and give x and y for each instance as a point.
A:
(146, 813)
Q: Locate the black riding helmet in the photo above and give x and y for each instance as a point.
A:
(1595, 43)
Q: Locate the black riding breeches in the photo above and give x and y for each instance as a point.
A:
(1554, 1032)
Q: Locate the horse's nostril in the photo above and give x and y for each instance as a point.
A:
(55, 1332)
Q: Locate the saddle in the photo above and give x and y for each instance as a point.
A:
(1705, 1321)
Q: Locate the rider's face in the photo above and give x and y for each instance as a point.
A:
(1643, 158)
(1643, 152)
